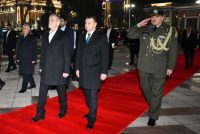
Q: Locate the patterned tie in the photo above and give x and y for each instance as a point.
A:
(88, 38)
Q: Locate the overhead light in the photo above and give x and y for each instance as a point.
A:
(198, 2)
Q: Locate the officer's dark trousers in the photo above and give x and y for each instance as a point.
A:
(152, 85)
(43, 97)
(27, 78)
(91, 97)
(11, 62)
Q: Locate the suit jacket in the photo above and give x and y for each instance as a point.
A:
(55, 58)
(70, 33)
(10, 42)
(189, 43)
(92, 60)
(158, 59)
(26, 53)
(112, 37)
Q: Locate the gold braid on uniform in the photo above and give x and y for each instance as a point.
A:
(159, 47)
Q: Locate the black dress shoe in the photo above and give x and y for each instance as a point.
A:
(7, 70)
(2, 84)
(90, 125)
(21, 91)
(30, 87)
(151, 122)
(39, 117)
(61, 114)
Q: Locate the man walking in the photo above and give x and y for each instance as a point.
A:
(157, 58)
(54, 67)
(92, 65)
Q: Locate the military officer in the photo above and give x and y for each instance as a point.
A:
(157, 58)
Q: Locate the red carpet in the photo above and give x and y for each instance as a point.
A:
(120, 103)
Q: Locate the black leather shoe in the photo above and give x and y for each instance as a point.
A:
(39, 117)
(151, 122)
(30, 87)
(21, 91)
(7, 70)
(2, 84)
(90, 125)
(61, 114)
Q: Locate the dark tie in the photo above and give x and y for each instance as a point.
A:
(88, 38)
(155, 28)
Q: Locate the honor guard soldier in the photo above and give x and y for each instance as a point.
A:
(157, 58)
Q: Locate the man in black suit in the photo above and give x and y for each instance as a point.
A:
(77, 33)
(112, 41)
(54, 67)
(26, 57)
(189, 42)
(92, 65)
(10, 40)
(64, 26)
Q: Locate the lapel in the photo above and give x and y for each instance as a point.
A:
(55, 37)
(93, 37)
(26, 40)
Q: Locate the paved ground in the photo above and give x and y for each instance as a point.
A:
(180, 109)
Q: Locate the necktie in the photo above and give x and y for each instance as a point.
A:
(154, 28)
(88, 38)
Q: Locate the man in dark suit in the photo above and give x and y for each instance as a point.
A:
(112, 41)
(64, 26)
(26, 57)
(189, 42)
(10, 40)
(92, 65)
(54, 67)
(77, 33)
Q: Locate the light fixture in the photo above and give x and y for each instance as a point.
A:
(198, 2)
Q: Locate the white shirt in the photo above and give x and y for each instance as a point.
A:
(188, 34)
(51, 34)
(74, 39)
(7, 35)
(90, 34)
(63, 28)
(108, 34)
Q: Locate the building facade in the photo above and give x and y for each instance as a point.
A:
(13, 11)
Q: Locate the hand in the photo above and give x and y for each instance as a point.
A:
(77, 73)
(169, 72)
(17, 61)
(144, 22)
(40, 70)
(13, 50)
(33, 62)
(103, 76)
(65, 75)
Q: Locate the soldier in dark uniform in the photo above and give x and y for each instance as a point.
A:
(157, 58)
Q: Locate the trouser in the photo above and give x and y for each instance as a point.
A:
(91, 97)
(11, 62)
(152, 86)
(111, 54)
(43, 97)
(189, 59)
(27, 78)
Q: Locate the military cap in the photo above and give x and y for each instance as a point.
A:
(157, 12)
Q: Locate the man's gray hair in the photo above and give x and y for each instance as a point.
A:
(55, 15)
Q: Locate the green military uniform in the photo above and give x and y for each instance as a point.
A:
(158, 52)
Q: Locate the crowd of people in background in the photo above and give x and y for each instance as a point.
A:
(65, 42)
